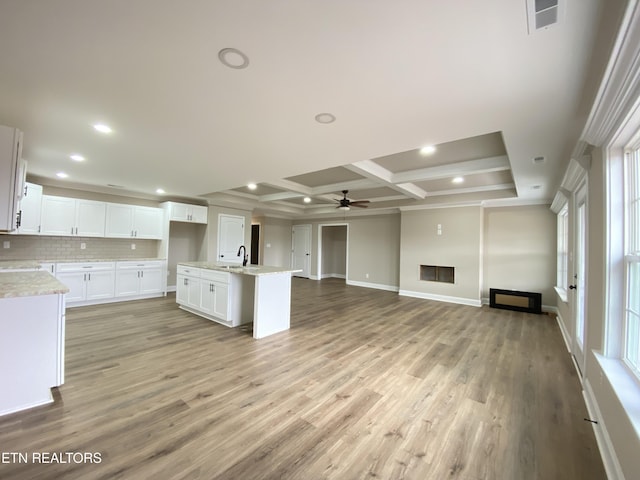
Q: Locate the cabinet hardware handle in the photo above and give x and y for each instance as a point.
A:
(76, 230)
(84, 278)
(89, 277)
(71, 230)
(142, 274)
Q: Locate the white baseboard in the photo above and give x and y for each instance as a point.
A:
(334, 275)
(563, 330)
(443, 298)
(378, 286)
(607, 452)
(171, 288)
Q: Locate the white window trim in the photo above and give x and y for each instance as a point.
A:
(560, 288)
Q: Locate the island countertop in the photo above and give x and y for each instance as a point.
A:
(25, 284)
(255, 270)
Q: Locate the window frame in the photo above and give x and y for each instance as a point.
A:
(562, 251)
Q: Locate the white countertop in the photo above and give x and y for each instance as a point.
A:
(255, 270)
(27, 284)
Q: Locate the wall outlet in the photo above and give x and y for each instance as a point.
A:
(83, 246)
(133, 246)
(6, 244)
(439, 230)
(268, 245)
(366, 275)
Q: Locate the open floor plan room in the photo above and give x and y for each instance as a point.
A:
(366, 383)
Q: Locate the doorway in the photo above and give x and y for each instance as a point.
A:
(333, 250)
(255, 244)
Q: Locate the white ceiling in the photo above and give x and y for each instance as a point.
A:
(463, 75)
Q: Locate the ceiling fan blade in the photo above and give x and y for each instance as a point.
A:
(359, 201)
(357, 205)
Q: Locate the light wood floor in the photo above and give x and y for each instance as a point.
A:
(366, 384)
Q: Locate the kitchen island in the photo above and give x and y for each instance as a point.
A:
(235, 295)
(32, 324)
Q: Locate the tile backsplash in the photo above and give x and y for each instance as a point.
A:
(37, 247)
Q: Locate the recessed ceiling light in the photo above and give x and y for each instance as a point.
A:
(458, 180)
(252, 186)
(307, 200)
(427, 150)
(325, 118)
(102, 128)
(76, 158)
(160, 191)
(61, 175)
(233, 58)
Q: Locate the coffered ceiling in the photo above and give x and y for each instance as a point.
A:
(464, 76)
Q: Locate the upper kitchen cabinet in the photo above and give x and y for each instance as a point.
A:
(183, 212)
(12, 177)
(72, 217)
(30, 210)
(133, 221)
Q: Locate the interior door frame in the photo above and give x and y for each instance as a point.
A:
(580, 275)
(319, 267)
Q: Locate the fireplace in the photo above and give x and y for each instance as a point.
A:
(515, 300)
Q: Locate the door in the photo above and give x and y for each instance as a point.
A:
(58, 215)
(230, 238)
(150, 280)
(75, 282)
(30, 206)
(100, 285)
(148, 222)
(127, 282)
(90, 218)
(580, 276)
(301, 250)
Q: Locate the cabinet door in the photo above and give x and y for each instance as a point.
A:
(148, 222)
(127, 282)
(58, 215)
(100, 285)
(75, 282)
(30, 208)
(221, 304)
(179, 212)
(207, 297)
(182, 290)
(119, 222)
(90, 218)
(193, 292)
(150, 280)
(199, 214)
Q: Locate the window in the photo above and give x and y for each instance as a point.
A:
(631, 348)
(563, 249)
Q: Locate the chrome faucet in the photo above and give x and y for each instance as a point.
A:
(246, 257)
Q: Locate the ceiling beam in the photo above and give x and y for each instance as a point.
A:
(380, 175)
(469, 167)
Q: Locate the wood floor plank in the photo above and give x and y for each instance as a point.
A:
(365, 384)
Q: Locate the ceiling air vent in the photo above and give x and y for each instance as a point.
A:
(542, 14)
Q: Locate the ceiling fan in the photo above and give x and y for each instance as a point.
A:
(345, 203)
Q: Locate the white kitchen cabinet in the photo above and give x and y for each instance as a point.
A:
(188, 291)
(183, 212)
(30, 210)
(133, 221)
(88, 282)
(12, 177)
(48, 267)
(214, 294)
(72, 217)
(134, 278)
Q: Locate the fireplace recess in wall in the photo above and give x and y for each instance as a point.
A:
(436, 273)
(515, 300)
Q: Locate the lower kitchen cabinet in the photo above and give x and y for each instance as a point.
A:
(87, 282)
(103, 282)
(139, 278)
(214, 295)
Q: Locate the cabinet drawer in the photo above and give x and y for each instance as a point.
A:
(190, 271)
(84, 266)
(214, 275)
(137, 265)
